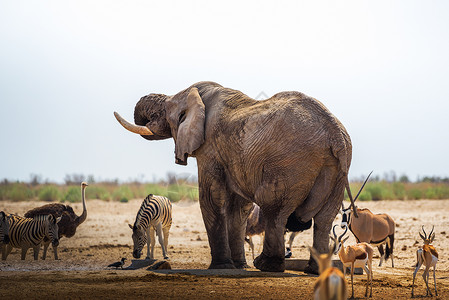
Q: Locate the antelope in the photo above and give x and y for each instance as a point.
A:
(428, 256)
(255, 225)
(375, 229)
(359, 255)
(331, 283)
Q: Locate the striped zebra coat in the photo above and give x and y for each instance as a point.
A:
(4, 228)
(4, 231)
(28, 233)
(154, 215)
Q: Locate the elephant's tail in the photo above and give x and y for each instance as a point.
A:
(341, 149)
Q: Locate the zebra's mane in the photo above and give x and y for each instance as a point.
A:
(144, 205)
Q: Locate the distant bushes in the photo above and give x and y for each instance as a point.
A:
(187, 190)
(98, 192)
(382, 190)
(73, 194)
(17, 192)
(49, 193)
(123, 194)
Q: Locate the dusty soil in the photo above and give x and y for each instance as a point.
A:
(105, 237)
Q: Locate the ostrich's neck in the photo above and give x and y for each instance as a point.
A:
(83, 198)
(83, 216)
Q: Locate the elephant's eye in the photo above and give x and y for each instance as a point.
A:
(182, 117)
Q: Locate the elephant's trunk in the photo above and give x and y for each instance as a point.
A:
(142, 130)
(83, 216)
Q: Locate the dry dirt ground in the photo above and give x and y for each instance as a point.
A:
(105, 237)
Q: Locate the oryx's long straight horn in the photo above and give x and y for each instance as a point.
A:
(366, 180)
(142, 130)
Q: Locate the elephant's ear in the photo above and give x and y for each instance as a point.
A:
(190, 135)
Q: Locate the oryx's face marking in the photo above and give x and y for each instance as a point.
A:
(345, 215)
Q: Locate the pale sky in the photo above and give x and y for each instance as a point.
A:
(382, 67)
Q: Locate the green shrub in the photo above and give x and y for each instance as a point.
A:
(73, 194)
(178, 192)
(123, 193)
(399, 191)
(3, 191)
(365, 196)
(19, 192)
(414, 194)
(97, 192)
(49, 193)
(375, 190)
(156, 189)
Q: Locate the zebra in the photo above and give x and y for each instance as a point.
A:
(155, 214)
(28, 233)
(4, 230)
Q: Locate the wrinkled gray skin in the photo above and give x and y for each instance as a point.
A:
(288, 154)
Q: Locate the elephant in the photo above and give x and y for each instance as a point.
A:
(288, 154)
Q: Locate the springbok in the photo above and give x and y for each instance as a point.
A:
(331, 283)
(356, 256)
(428, 256)
(376, 229)
(255, 226)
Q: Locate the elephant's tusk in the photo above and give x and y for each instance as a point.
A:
(142, 130)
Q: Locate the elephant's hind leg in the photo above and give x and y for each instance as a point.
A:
(272, 258)
(238, 210)
(325, 200)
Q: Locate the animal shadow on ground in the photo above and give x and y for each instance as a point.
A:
(139, 264)
(229, 273)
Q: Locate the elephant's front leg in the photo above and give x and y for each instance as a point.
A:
(238, 210)
(213, 197)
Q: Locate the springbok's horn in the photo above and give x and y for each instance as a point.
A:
(425, 234)
(341, 236)
(142, 130)
(366, 180)
(433, 227)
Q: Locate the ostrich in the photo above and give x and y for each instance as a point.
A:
(69, 220)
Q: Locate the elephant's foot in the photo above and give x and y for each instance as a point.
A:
(241, 264)
(269, 264)
(222, 265)
(312, 267)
